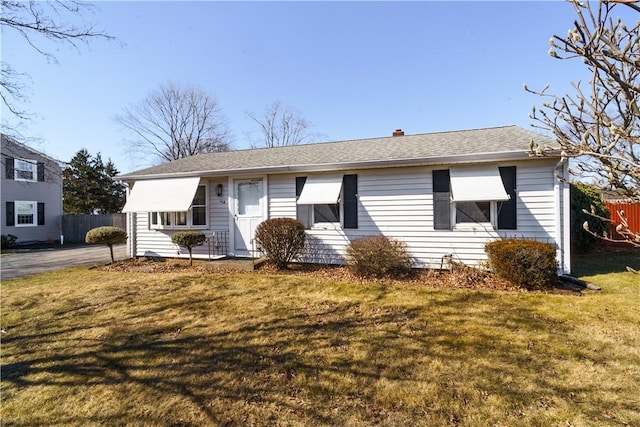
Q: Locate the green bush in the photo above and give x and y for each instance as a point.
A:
(189, 239)
(526, 263)
(8, 241)
(106, 235)
(585, 197)
(378, 256)
(281, 239)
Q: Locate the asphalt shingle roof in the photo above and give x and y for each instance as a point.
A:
(420, 148)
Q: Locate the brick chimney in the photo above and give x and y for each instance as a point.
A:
(398, 132)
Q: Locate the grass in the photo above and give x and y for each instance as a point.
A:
(605, 260)
(85, 347)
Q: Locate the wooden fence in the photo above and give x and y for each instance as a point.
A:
(75, 227)
(631, 213)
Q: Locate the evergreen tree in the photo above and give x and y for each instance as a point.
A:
(115, 190)
(88, 185)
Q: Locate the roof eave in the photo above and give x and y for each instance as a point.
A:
(328, 167)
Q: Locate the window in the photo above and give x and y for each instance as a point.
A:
(327, 199)
(24, 214)
(473, 212)
(25, 170)
(199, 207)
(474, 196)
(196, 216)
(181, 219)
(326, 213)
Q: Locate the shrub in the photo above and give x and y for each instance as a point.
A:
(189, 239)
(107, 236)
(526, 263)
(8, 241)
(378, 256)
(281, 240)
(587, 198)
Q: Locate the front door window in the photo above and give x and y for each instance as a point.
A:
(249, 195)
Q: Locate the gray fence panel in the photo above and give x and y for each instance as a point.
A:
(75, 227)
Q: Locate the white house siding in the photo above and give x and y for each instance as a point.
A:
(398, 203)
(536, 207)
(157, 243)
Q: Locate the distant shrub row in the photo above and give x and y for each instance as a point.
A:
(526, 263)
(529, 264)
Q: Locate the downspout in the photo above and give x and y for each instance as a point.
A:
(130, 224)
(563, 216)
(60, 221)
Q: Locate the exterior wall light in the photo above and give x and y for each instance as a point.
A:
(219, 190)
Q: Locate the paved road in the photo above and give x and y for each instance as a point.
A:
(25, 262)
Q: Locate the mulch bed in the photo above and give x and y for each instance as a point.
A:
(460, 277)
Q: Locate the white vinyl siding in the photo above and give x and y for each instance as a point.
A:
(398, 202)
(157, 243)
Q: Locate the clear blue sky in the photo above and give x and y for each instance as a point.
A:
(354, 69)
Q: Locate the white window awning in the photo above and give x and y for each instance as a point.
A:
(321, 190)
(477, 185)
(162, 195)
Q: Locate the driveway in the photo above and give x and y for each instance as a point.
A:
(25, 262)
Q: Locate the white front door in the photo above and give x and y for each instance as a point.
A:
(248, 214)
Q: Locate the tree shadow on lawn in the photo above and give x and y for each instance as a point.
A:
(605, 260)
(314, 364)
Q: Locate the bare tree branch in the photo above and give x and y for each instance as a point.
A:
(601, 126)
(173, 122)
(35, 21)
(280, 126)
(622, 229)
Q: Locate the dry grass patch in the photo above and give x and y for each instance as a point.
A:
(86, 347)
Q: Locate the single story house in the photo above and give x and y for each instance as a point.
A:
(31, 193)
(444, 194)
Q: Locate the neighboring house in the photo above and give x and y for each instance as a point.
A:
(443, 194)
(31, 193)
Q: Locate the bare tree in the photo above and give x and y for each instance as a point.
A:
(173, 122)
(599, 125)
(280, 126)
(35, 21)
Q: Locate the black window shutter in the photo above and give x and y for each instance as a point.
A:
(507, 212)
(10, 212)
(302, 211)
(300, 180)
(9, 168)
(350, 203)
(40, 172)
(40, 213)
(441, 200)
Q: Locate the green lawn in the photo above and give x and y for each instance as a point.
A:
(86, 347)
